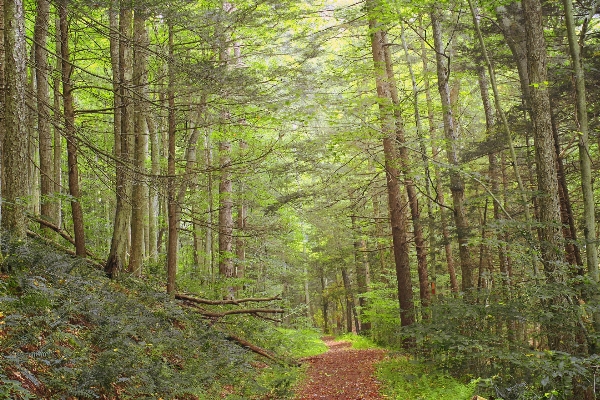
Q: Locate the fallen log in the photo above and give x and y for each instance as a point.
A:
(258, 350)
(181, 296)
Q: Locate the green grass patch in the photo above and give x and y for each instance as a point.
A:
(403, 378)
(302, 343)
(358, 342)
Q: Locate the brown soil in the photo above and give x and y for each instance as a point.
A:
(341, 373)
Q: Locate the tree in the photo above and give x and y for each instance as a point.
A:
(457, 185)
(395, 201)
(16, 184)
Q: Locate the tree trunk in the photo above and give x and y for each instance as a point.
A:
(408, 182)
(69, 115)
(438, 186)
(457, 185)
(153, 195)
(395, 201)
(119, 20)
(589, 229)
(42, 21)
(172, 188)
(494, 170)
(15, 141)
(57, 122)
(226, 268)
(545, 154)
(240, 241)
(138, 198)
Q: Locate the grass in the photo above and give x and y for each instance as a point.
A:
(358, 342)
(403, 378)
(302, 343)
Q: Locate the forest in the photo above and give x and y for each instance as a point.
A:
(194, 192)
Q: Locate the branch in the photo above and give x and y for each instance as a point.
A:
(62, 233)
(181, 296)
(254, 348)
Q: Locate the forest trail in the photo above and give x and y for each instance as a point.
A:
(341, 373)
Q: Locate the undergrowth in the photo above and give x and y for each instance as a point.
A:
(359, 342)
(403, 378)
(66, 331)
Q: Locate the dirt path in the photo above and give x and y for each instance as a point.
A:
(341, 374)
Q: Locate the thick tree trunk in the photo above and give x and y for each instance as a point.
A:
(15, 141)
(395, 201)
(138, 199)
(42, 21)
(457, 185)
(119, 21)
(69, 115)
(408, 182)
(545, 154)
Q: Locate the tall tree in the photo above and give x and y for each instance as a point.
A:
(457, 185)
(48, 208)
(69, 116)
(589, 230)
(139, 189)
(15, 142)
(549, 206)
(395, 200)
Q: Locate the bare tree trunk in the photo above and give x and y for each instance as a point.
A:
(361, 263)
(15, 141)
(57, 122)
(408, 182)
(549, 205)
(69, 114)
(119, 20)
(240, 242)
(172, 189)
(438, 183)
(42, 21)
(395, 201)
(226, 267)
(153, 195)
(138, 198)
(494, 171)
(457, 185)
(589, 229)
(209, 194)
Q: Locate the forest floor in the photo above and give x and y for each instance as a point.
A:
(342, 373)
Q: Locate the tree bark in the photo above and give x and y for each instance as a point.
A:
(15, 141)
(589, 229)
(69, 115)
(42, 21)
(171, 189)
(138, 198)
(395, 201)
(549, 206)
(120, 22)
(408, 182)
